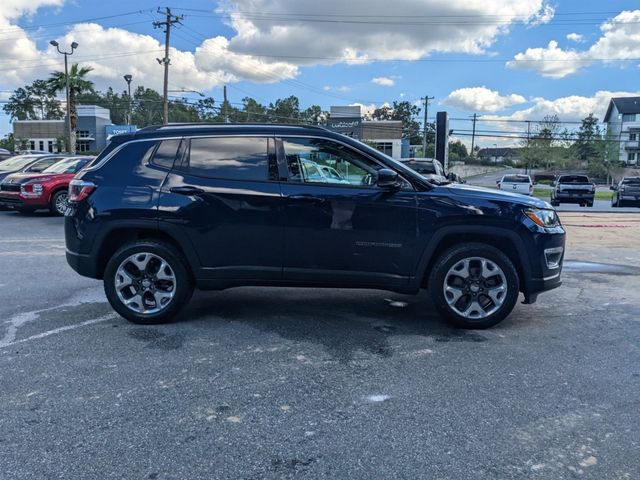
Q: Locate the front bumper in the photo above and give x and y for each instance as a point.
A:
(17, 201)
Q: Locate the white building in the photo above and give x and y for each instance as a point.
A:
(623, 124)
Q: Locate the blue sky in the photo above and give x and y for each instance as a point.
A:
(457, 51)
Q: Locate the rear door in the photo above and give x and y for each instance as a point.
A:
(345, 229)
(224, 194)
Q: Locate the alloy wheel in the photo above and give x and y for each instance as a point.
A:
(62, 201)
(475, 287)
(145, 283)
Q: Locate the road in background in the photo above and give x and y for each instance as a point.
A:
(259, 383)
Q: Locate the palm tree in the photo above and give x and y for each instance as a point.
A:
(77, 86)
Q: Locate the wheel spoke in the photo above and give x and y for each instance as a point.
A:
(489, 269)
(474, 310)
(135, 300)
(160, 296)
(141, 261)
(123, 279)
(496, 294)
(162, 275)
(461, 269)
(452, 294)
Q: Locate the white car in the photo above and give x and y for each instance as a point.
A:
(516, 183)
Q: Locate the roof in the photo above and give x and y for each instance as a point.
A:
(624, 105)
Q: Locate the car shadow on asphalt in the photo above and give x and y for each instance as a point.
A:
(344, 322)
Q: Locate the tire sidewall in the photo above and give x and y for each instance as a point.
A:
(454, 255)
(184, 284)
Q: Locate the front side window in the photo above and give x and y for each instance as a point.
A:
(230, 158)
(312, 160)
(41, 165)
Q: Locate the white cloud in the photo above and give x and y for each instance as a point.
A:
(359, 36)
(383, 81)
(340, 88)
(551, 61)
(570, 108)
(481, 99)
(575, 37)
(620, 40)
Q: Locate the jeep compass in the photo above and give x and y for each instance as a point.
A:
(168, 209)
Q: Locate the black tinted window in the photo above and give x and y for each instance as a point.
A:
(166, 153)
(233, 158)
(515, 179)
(573, 179)
(631, 181)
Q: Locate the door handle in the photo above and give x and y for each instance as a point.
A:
(306, 198)
(186, 190)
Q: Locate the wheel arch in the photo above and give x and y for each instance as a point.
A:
(120, 235)
(507, 241)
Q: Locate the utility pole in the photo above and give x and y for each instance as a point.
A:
(473, 134)
(225, 110)
(71, 134)
(424, 135)
(169, 21)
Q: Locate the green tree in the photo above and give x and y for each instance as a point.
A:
(406, 112)
(7, 142)
(586, 147)
(147, 107)
(457, 150)
(254, 110)
(78, 84)
(34, 102)
(285, 110)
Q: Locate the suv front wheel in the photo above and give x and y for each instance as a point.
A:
(147, 282)
(474, 285)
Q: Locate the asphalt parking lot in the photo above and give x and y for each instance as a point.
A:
(256, 383)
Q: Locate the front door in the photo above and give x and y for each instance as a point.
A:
(340, 226)
(225, 195)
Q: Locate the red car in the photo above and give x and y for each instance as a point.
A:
(27, 192)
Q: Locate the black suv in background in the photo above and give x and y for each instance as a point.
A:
(167, 209)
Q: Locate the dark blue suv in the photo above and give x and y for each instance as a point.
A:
(167, 209)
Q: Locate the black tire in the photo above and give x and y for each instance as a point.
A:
(467, 250)
(178, 266)
(615, 204)
(590, 204)
(57, 199)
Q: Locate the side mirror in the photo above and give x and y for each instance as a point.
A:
(387, 178)
(497, 182)
(612, 187)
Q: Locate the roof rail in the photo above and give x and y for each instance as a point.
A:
(229, 125)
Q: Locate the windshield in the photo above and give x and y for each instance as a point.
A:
(69, 165)
(17, 163)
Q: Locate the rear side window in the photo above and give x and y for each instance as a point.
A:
(229, 158)
(166, 153)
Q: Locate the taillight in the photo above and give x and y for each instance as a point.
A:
(593, 187)
(80, 190)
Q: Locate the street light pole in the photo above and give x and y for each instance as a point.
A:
(128, 78)
(70, 133)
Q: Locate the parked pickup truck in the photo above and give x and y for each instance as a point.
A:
(626, 193)
(573, 189)
(516, 184)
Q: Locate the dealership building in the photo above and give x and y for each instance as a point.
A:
(93, 131)
(384, 135)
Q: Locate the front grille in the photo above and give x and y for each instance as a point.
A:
(9, 187)
(10, 201)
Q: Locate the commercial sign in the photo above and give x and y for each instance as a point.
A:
(350, 126)
(112, 130)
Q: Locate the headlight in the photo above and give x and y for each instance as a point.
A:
(543, 218)
(31, 189)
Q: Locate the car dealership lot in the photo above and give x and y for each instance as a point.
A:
(301, 383)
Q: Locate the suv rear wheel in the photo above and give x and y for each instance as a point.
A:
(147, 282)
(474, 285)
